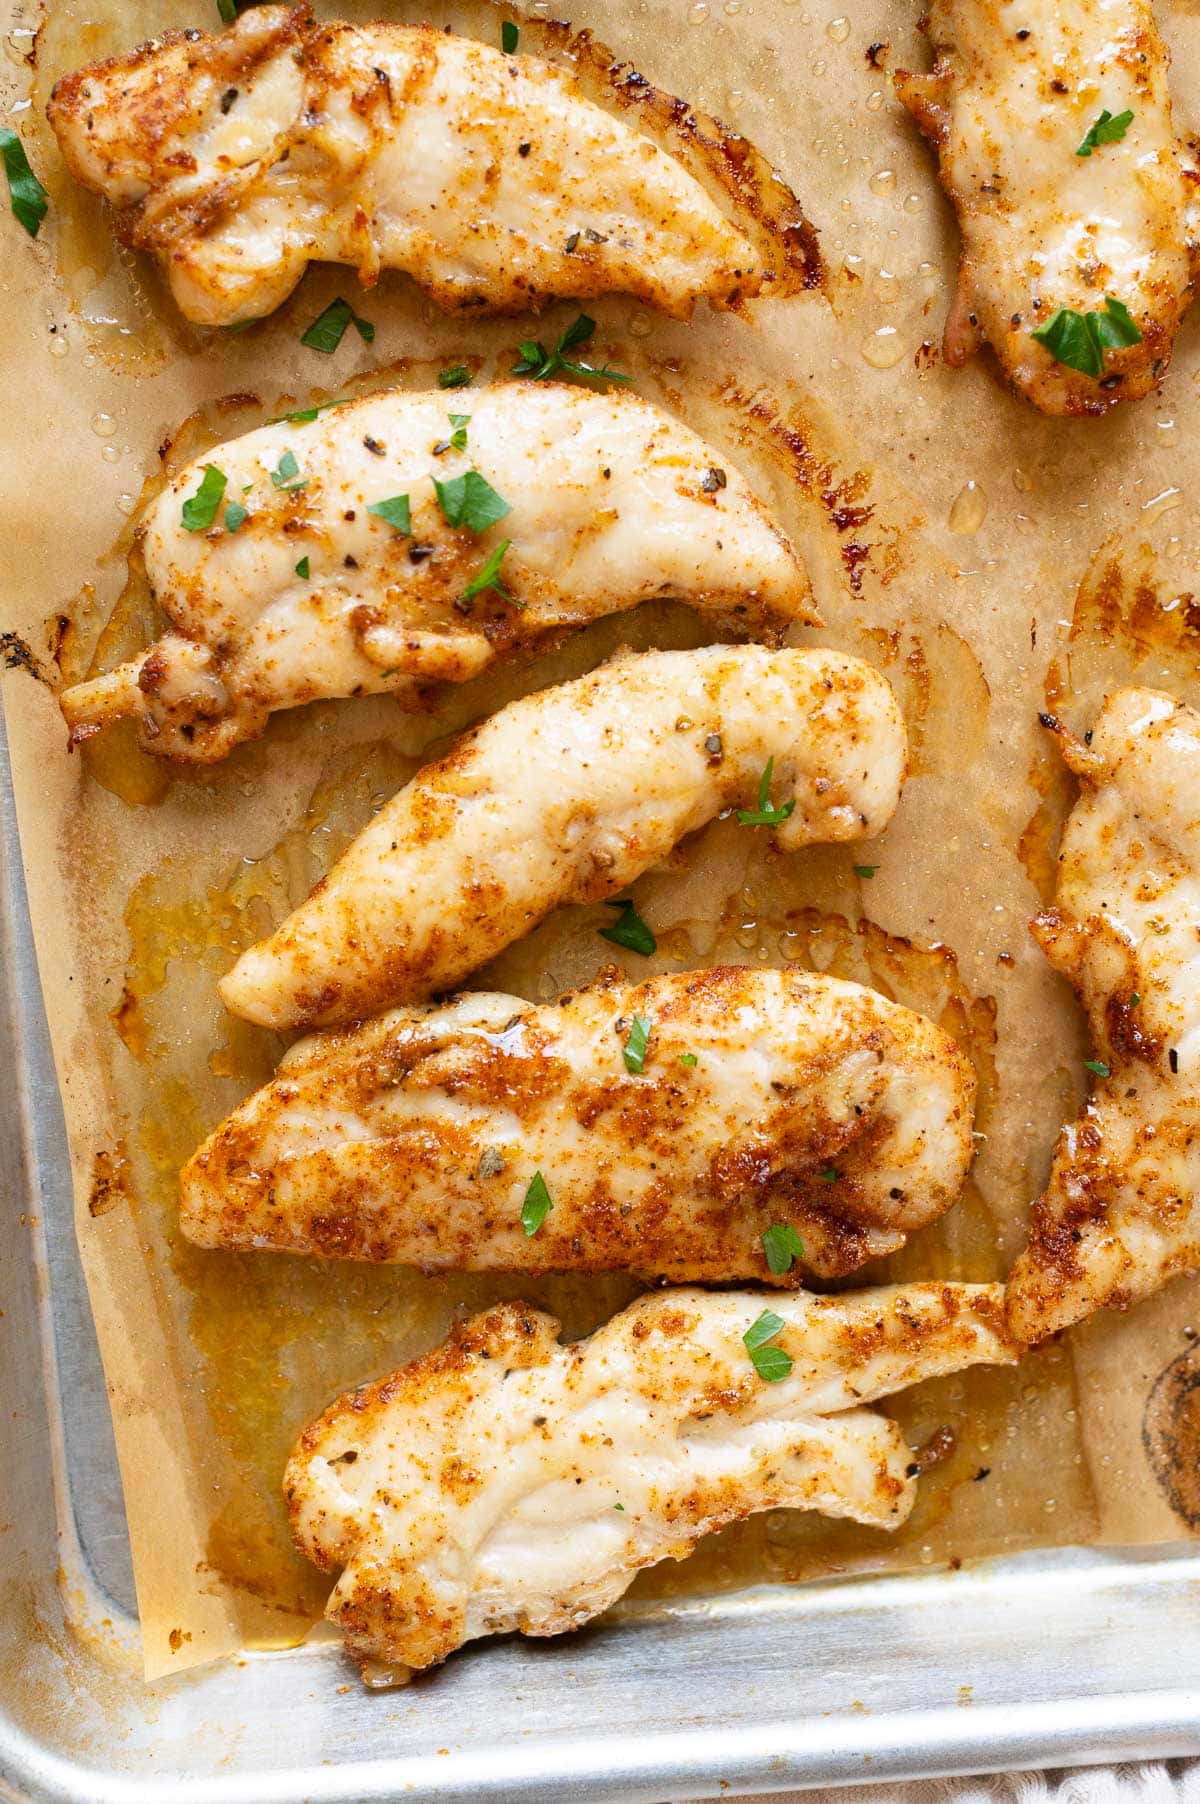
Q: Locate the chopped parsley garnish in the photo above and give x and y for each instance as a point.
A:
(1079, 340)
(689, 1059)
(200, 509)
(538, 362)
(329, 328)
(537, 1205)
(302, 569)
(771, 1363)
(629, 930)
(782, 1245)
(634, 1049)
(457, 376)
(458, 438)
(1134, 1000)
(510, 37)
(302, 415)
(1105, 129)
(765, 815)
(619, 1506)
(470, 500)
(26, 195)
(287, 476)
(396, 511)
(489, 578)
(865, 870)
(1097, 1067)
(830, 1175)
(235, 516)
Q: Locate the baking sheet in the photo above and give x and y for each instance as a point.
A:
(980, 555)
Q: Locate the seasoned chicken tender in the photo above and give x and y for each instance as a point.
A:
(506, 1482)
(1121, 1212)
(1019, 89)
(567, 796)
(610, 501)
(672, 1123)
(239, 158)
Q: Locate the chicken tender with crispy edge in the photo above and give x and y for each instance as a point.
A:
(1121, 1212)
(237, 158)
(1017, 92)
(567, 796)
(755, 1099)
(305, 593)
(506, 1482)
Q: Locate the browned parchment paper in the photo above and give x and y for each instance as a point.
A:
(982, 556)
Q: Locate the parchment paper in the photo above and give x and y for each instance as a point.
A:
(982, 556)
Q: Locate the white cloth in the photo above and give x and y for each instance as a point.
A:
(1143, 1782)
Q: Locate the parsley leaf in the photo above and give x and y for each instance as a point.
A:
(457, 376)
(765, 815)
(1097, 1067)
(1105, 129)
(1134, 999)
(1115, 327)
(396, 511)
(200, 509)
(689, 1059)
(510, 37)
(1079, 340)
(629, 929)
(470, 500)
(829, 1175)
(537, 1205)
(489, 578)
(458, 438)
(329, 328)
(634, 1049)
(26, 195)
(771, 1363)
(865, 870)
(302, 569)
(235, 516)
(302, 415)
(285, 477)
(538, 362)
(782, 1245)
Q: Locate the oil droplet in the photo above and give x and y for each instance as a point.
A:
(913, 203)
(59, 345)
(103, 425)
(698, 13)
(110, 454)
(1167, 432)
(125, 504)
(838, 30)
(819, 67)
(732, 8)
(641, 325)
(969, 509)
(1162, 503)
(887, 287)
(883, 348)
(875, 100)
(1021, 481)
(883, 182)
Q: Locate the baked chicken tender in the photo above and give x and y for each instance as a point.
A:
(757, 1098)
(567, 796)
(238, 158)
(1121, 1212)
(1017, 87)
(612, 503)
(506, 1482)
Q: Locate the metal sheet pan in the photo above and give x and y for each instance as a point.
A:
(1057, 1658)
